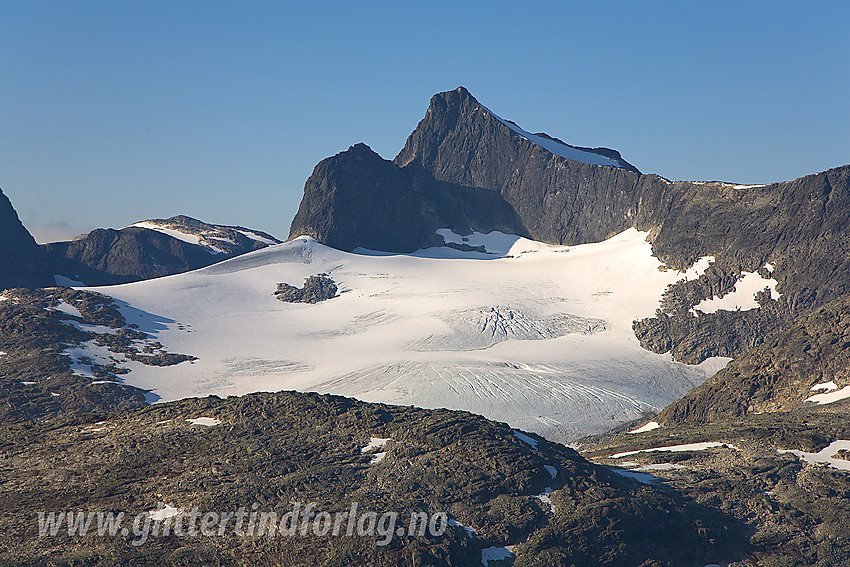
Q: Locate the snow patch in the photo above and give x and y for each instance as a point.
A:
(553, 472)
(647, 427)
(68, 309)
(205, 421)
(64, 281)
(660, 467)
(559, 149)
(544, 497)
(173, 233)
(97, 354)
(714, 364)
(526, 439)
(374, 443)
(494, 553)
(642, 478)
(470, 532)
(257, 237)
(167, 511)
(677, 448)
(825, 386)
(830, 397)
(87, 327)
(742, 296)
(825, 456)
(180, 235)
(378, 457)
(698, 269)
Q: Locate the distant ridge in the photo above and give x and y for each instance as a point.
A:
(150, 249)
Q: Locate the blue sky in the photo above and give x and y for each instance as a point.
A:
(113, 112)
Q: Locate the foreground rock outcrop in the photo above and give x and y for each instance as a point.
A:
(498, 487)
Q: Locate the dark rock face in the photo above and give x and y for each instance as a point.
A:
(316, 288)
(22, 262)
(358, 199)
(559, 200)
(108, 256)
(464, 169)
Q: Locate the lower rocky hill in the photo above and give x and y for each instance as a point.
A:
(508, 497)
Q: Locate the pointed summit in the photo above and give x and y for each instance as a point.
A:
(456, 116)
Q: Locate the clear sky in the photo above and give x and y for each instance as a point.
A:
(118, 111)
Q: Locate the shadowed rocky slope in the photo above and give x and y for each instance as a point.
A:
(22, 261)
(779, 374)
(358, 199)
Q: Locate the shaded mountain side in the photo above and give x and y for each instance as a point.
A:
(22, 262)
(358, 199)
(779, 374)
(274, 449)
(798, 226)
(109, 256)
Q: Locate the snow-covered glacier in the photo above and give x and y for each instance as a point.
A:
(536, 335)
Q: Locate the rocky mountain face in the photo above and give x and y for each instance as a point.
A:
(150, 249)
(497, 178)
(358, 199)
(22, 262)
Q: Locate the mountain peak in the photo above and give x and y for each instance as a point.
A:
(456, 120)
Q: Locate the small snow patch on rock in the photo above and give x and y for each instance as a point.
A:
(205, 421)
